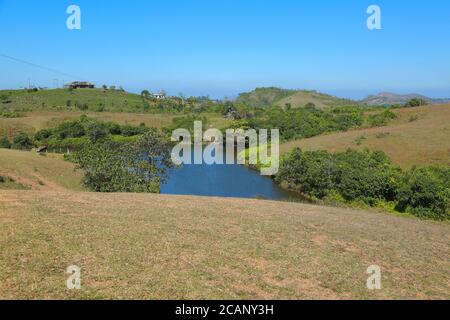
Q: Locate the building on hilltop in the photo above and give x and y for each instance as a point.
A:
(159, 96)
(80, 85)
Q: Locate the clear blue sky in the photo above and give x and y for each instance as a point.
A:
(223, 47)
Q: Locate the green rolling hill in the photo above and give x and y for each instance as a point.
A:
(266, 97)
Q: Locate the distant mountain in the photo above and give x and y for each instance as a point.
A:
(266, 97)
(389, 98)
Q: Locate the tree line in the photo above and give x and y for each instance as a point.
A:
(368, 178)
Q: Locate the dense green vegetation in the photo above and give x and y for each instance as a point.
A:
(10, 114)
(4, 143)
(306, 122)
(73, 135)
(369, 178)
(416, 102)
(381, 119)
(133, 166)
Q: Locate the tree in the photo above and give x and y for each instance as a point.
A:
(145, 94)
(138, 166)
(425, 192)
(22, 141)
(416, 102)
(43, 135)
(96, 131)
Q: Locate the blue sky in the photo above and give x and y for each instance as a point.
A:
(223, 47)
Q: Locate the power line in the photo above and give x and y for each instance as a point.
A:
(39, 66)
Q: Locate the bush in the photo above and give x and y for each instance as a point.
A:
(369, 178)
(306, 122)
(365, 176)
(360, 140)
(22, 141)
(82, 106)
(425, 193)
(4, 143)
(95, 131)
(42, 135)
(10, 114)
(381, 119)
(416, 102)
(73, 134)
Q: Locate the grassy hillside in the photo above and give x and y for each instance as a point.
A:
(389, 98)
(28, 112)
(33, 171)
(419, 136)
(33, 121)
(159, 247)
(266, 97)
(94, 99)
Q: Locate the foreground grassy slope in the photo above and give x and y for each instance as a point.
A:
(159, 247)
(37, 172)
(419, 136)
(266, 97)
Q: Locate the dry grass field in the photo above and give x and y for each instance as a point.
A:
(419, 136)
(39, 172)
(143, 246)
(36, 120)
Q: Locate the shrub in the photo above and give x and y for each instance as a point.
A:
(360, 140)
(22, 141)
(368, 178)
(307, 121)
(381, 119)
(10, 114)
(42, 135)
(95, 131)
(4, 143)
(82, 106)
(425, 193)
(416, 102)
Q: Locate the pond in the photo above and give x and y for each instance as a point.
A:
(235, 181)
